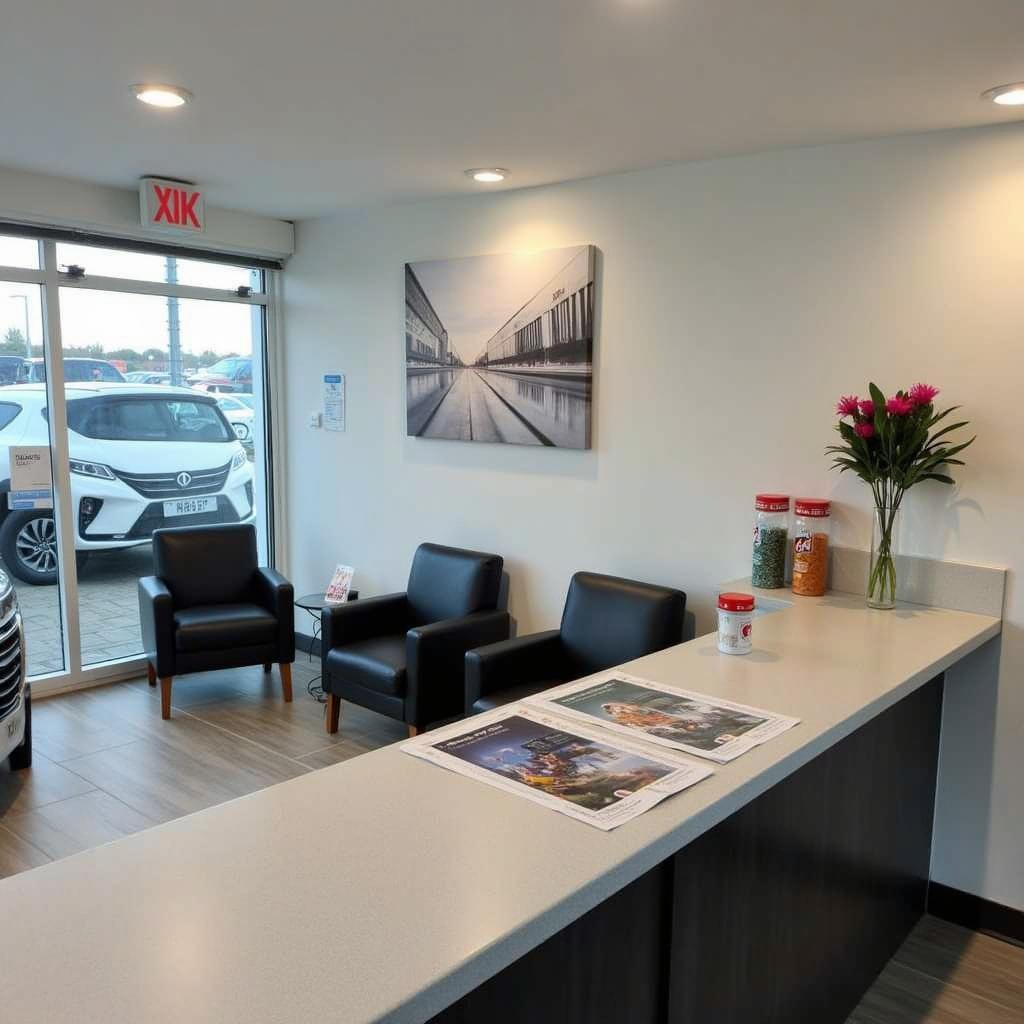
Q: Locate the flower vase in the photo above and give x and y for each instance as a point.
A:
(882, 581)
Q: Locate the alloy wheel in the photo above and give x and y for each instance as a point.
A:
(36, 544)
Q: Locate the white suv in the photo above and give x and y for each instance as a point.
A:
(142, 457)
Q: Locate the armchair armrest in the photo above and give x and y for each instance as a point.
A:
(156, 617)
(435, 659)
(277, 595)
(525, 659)
(361, 620)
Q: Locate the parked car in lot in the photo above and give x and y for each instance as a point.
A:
(141, 457)
(225, 376)
(15, 696)
(76, 368)
(240, 414)
(147, 377)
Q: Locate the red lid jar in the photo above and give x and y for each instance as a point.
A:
(813, 508)
(771, 502)
(733, 602)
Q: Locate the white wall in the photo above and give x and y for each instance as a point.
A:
(43, 200)
(738, 298)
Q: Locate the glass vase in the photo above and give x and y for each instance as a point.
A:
(882, 581)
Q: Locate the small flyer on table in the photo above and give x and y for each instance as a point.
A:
(694, 723)
(582, 772)
(340, 585)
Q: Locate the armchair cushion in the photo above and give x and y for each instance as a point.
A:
(204, 565)
(448, 583)
(533, 662)
(377, 663)
(221, 626)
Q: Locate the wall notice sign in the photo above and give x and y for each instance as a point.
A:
(171, 205)
(334, 401)
(31, 480)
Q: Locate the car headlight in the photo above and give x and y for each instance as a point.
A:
(8, 598)
(240, 459)
(93, 469)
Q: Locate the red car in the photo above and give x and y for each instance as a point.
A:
(227, 375)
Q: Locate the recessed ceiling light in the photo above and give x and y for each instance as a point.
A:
(488, 175)
(1011, 95)
(161, 95)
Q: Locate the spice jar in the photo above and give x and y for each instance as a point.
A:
(735, 623)
(810, 546)
(771, 538)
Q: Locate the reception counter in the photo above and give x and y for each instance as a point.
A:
(387, 889)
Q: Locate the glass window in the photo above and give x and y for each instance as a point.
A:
(145, 418)
(8, 413)
(22, 253)
(143, 266)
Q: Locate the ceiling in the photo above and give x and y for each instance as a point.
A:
(303, 107)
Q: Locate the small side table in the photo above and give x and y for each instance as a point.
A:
(315, 604)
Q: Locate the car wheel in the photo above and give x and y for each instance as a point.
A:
(21, 756)
(28, 543)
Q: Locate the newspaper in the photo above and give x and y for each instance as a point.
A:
(581, 771)
(694, 723)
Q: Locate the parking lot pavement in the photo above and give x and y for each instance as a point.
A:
(107, 589)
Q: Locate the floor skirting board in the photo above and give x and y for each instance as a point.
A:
(976, 913)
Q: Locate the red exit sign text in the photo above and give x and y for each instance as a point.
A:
(171, 205)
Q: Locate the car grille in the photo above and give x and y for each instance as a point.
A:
(165, 485)
(10, 666)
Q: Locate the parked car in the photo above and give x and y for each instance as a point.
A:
(225, 376)
(15, 695)
(14, 370)
(240, 415)
(142, 457)
(147, 377)
(77, 368)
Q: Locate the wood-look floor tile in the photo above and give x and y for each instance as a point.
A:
(189, 766)
(17, 855)
(44, 783)
(979, 964)
(67, 726)
(904, 996)
(78, 823)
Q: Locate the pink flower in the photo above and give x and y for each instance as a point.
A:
(899, 405)
(867, 407)
(847, 406)
(923, 394)
(864, 429)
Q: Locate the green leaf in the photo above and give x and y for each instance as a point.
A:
(942, 479)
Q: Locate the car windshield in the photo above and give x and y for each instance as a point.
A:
(141, 418)
(76, 370)
(228, 366)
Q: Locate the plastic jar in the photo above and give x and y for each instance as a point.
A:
(810, 546)
(771, 540)
(735, 623)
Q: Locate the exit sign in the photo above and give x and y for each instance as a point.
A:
(171, 205)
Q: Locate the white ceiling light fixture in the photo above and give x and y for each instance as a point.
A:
(155, 94)
(487, 175)
(1011, 95)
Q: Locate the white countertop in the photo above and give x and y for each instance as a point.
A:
(385, 888)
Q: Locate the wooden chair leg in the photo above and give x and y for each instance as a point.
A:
(286, 681)
(151, 673)
(165, 697)
(333, 713)
(413, 731)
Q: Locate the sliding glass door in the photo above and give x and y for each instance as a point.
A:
(142, 375)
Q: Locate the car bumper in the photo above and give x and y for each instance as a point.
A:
(12, 724)
(127, 518)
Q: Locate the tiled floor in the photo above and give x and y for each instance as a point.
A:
(108, 598)
(105, 764)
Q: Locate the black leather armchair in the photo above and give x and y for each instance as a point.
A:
(402, 655)
(606, 621)
(210, 605)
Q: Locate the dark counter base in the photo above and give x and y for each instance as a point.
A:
(784, 913)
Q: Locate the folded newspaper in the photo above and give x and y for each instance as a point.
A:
(693, 723)
(580, 770)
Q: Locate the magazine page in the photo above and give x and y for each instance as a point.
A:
(694, 723)
(341, 583)
(581, 771)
